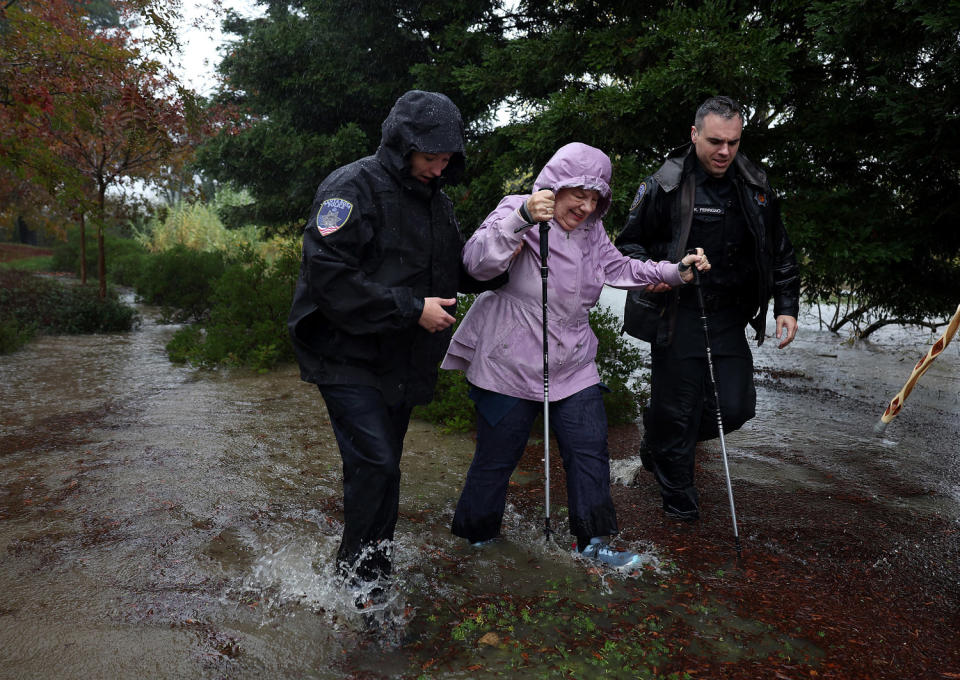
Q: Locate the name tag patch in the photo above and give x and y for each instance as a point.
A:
(333, 214)
(701, 210)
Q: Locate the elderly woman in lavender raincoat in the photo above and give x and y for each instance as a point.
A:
(499, 344)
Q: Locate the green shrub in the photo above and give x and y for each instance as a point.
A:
(126, 262)
(123, 256)
(52, 307)
(247, 325)
(185, 344)
(180, 281)
(13, 335)
(618, 362)
(66, 254)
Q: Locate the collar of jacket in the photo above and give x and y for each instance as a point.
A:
(681, 161)
(407, 181)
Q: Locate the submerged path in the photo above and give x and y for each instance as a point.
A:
(166, 522)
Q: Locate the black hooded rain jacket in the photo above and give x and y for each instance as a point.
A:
(377, 243)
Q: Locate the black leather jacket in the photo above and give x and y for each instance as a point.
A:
(658, 228)
(377, 242)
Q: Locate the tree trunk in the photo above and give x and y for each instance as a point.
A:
(101, 254)
(101, 263)
(83, 249)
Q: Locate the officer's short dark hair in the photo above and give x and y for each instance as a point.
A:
(725, 107)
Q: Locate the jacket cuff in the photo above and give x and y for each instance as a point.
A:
(671, 275)
(514, 224)
(411, 306)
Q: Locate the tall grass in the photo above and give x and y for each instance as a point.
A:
(195, 226)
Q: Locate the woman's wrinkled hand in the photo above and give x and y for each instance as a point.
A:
(696, 259)
(540, 205)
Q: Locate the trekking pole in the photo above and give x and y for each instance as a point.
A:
(544, 248)
(716, 397)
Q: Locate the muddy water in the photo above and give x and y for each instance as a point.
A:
(819, 404)
(165, 522)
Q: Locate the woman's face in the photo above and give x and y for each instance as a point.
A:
(573, 205)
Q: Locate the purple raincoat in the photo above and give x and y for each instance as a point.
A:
(499, 342)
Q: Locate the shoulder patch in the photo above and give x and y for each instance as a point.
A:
(760, 198)
(333, 214)
(641, 192)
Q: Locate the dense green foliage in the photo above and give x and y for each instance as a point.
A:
(181, 281)
(30, 304)
(13, 335)
(247, 324)
(872, 158)
(124, 255)
(316, 79)
(851, 105)
(618, 361)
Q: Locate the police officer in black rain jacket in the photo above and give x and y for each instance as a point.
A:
(373, 309)
(706, 194)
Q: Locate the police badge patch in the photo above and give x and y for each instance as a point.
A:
(640, 194)
(333, 214)
(760, 198)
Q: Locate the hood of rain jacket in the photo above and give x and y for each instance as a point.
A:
(428, 122)
(578, 165)
(499, 342)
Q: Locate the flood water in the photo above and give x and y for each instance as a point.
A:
(167, 522)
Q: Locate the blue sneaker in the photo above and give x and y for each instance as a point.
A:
(600, 551)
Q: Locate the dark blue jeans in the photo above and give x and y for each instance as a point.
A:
(370, 435)
(579, 423)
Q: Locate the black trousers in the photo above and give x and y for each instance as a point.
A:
(682, 409)
(580, 425)
(370, 436)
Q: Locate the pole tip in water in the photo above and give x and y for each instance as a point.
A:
(879, 428)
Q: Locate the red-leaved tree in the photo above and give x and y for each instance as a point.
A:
(82, 108)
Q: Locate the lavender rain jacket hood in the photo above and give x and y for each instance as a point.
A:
(499, 342)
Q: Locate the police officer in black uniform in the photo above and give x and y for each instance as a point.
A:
(709, 195)
(373, 308)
